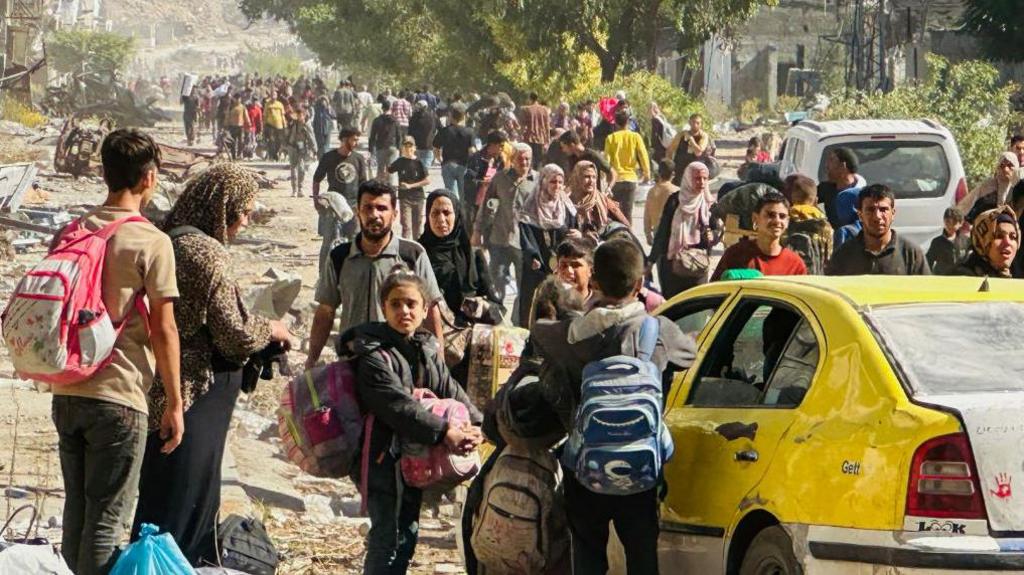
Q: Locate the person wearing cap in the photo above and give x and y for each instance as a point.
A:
(423, 128)
(412, 176)
(385, 138)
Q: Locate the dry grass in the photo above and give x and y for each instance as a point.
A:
(15, 111)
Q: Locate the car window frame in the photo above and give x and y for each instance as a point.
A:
(758, 299)
(940, 191)
(723, 298)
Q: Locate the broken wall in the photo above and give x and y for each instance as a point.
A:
(777, 39)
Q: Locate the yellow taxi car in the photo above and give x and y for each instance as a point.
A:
(848, 425)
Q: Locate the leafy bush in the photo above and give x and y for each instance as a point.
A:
(73, 50)
(750, 110)
(642, 88)
(15, 111)
(967, 98)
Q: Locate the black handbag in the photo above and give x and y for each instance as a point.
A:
(243, 545)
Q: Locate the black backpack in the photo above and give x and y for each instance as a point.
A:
(244, 545)
(408, 252)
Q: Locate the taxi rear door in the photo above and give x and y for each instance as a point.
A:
(727, 419)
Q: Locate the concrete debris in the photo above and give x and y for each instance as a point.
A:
(15, 181)
(274, 301)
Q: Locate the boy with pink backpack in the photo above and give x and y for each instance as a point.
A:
(418, 436)
(79, 321)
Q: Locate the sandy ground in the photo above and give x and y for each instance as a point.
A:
(313, 521)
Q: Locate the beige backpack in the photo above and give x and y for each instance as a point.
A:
(521, 526)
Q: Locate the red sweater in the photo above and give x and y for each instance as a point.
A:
(746, 255)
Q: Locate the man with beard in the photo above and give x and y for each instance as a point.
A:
(366, 262)
(877, 249)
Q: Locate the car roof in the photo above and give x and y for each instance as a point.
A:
(868, 127)
(860, 291)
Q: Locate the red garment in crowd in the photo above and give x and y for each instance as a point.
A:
(745, 254)
(255, 119)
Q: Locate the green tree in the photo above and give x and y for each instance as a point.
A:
(629, 32)
(85, 50)
(998, 25)
(968, 98)
(502, 45)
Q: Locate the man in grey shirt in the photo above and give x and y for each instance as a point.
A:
(357, 269)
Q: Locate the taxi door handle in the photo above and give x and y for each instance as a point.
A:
(749, 455)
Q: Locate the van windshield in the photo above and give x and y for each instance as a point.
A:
(913, 169)
(954, 347)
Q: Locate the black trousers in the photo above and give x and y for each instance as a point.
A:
(180, 492)
(636, 522)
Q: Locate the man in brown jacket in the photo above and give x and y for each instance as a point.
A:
(535, 119)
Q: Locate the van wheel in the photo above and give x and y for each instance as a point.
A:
(771, 553)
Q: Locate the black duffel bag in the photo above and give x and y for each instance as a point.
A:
(244, 545)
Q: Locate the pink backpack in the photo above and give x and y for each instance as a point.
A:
(56, 326)
(434, 466)
(319, 421)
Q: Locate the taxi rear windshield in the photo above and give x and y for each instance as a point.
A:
(955, 347)
(913, 169)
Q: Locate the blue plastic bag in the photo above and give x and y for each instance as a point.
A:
(152, 554)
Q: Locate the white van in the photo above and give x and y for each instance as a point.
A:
(918, 159)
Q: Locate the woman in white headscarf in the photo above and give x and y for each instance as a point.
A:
(548, 217)
(993, 192)
(683, 238)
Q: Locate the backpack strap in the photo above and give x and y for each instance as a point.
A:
(338, 256)
(408, 252)
(180, 231)
(648, 338)
(107, 231)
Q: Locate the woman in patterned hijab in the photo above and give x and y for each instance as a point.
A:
(180, 491)
(995, 238)
(215, 201)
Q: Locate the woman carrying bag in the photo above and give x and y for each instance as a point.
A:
(684, 236)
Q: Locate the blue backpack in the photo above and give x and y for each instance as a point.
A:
(619, 441)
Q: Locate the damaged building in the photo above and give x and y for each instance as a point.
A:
(798, 45)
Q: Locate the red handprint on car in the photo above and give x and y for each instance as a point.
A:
(1003, 489)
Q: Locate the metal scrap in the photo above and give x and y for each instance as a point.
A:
(15, 180)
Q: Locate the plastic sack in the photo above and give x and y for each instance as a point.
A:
(152, 554)
(35, 559)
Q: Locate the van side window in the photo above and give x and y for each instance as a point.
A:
(764, 354)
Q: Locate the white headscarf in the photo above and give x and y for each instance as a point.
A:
(544, 212)
(693, 213)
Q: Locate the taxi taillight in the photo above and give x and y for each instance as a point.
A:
(944, 480)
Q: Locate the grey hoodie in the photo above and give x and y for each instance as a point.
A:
(567, 346)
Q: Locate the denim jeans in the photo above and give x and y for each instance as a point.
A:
(506, 282)
(454, 176)
(426, 157)
(394, 510)
(101, 448)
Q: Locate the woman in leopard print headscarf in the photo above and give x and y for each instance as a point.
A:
(180, 491)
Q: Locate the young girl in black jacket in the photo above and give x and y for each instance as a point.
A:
(393, 358)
